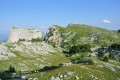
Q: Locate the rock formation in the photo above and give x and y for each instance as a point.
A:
(21, 33)
(7, 50)
(54, 36)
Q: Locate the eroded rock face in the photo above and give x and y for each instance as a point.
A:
(53, 36)
(21, 33)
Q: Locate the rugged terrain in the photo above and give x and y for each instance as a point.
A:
(29, 56)
(81, 34)
(66, 53)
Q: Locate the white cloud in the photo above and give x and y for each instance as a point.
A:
(106, 21)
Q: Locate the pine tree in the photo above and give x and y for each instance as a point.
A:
(11, 69)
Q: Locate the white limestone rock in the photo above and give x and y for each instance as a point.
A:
(5, 53)
(37, 48)
(53, 35)
(24, 48)
(21, 33)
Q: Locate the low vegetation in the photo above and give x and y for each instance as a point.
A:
(73, 59)
(33, 40)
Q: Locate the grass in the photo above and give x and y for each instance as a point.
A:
(83, 71)
(83, 34)
(30, 61)
(33, 62)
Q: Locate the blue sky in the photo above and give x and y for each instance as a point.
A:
(41, 14)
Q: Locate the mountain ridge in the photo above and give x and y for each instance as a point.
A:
(69, 53)
(86, 31)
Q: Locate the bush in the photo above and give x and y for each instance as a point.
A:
(52, 43)
(90, 62)
(105, 59)
(11, 69)
(82, 60)
(119, 30)
(115, 46)
(79, 48)
(111, 56)
(36, 40)
(100, 54)
(21, 39)
(82, 55)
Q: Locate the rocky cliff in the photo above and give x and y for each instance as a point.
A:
(54, 36)
(21, 33)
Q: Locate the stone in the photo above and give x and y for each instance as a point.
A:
(118, 67)
(52, 78)
(67, 64)
(77, 78)
(5, 53)
(57, 78)
(21, 33)
(53, 35)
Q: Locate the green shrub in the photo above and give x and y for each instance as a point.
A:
(21, 40)
(105, 59)
(90, 62)
(11, 69)
(100, 54)
(80, 48)
(111, 56)
(82, 60)
(36, 40)
(52, 43)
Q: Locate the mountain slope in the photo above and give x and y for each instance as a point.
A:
(29, 56)
(80, 44)
(99, 71)
(81, 34)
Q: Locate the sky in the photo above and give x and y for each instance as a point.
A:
(41, 14)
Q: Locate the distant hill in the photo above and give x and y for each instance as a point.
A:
(81, 34)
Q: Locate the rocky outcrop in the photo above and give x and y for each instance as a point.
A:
(53, 36)
(21, 33)
(5, 53)
(37, 48)
(7, 50)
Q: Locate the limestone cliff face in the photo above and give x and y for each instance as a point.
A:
(53, 36)
(20, 33)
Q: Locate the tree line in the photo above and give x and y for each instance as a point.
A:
(79, 48)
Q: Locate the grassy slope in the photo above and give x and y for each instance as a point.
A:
(83, 34)
(106, 36)
(32, 61)
(81, 70)
(35, 61)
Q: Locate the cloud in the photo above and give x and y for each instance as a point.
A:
(106, 21)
